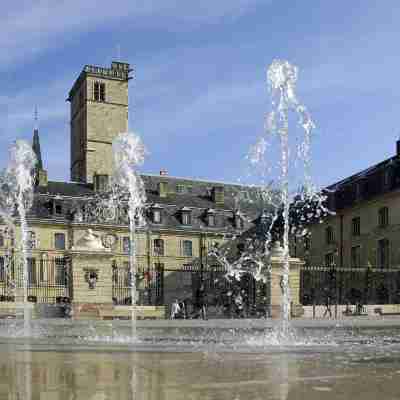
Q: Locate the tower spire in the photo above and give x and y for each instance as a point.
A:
(36, 143)
(36, 126)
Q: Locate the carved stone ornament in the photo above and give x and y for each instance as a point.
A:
(89, 242)
(91, 277)
(109, 240)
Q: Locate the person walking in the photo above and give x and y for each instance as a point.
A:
(201, 301)
(175, 309)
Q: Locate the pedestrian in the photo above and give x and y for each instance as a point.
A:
(327, 306)
(201, 301)
(175, 309)
(239, 305)
(182, 310)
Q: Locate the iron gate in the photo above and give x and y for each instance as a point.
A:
(219, 291)
(149, 285)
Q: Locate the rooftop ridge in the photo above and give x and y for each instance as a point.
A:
(360, 174)
(196, 180)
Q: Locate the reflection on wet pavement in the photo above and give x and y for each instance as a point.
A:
(27, 372)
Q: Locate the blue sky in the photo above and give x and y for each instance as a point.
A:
(199, 96)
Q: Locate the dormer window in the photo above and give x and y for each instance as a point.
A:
(386, 178)
(211, 217)
(186, 216)
(156, 214)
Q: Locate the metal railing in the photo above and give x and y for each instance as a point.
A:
(361, 285)
(47, 280)
(149, 285)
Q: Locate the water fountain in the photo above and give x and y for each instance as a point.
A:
(17, 190)
(129, 152)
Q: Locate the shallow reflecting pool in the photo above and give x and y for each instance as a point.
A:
(348, 364)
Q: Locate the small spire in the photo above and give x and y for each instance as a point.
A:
(36, 126)
(36, 143)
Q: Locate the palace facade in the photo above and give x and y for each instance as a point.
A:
(185, 217)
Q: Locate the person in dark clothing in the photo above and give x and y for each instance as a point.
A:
(328, 302)
(201, 301)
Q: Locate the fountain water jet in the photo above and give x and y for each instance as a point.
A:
(17, 189)
(129, 152)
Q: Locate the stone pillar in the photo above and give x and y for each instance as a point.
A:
(90, 277)
(276, 279)
(91, 283)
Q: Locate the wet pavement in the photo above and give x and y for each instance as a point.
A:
(352, 364)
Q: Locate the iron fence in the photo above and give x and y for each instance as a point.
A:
(196, 284)
(149, 285)
(47, 280)
(361, 285)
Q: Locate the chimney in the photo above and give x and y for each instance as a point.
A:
(41, 177)
(100, 182)
(218, 195)
(163, 189)
(398, 147)
(163, 172)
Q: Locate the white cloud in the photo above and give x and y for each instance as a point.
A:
(37, 26)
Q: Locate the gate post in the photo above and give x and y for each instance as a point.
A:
(90, 277)
(276, 278)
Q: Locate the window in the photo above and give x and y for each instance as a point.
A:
(383, 217)
(307, 243)
(99, 91)
(356, 256)
(329, 260)
(1, 240)
(102, 92)
(31, 271)
(59, 241)
(156, 216)
(386, 178)
(126, 245)
(329, 237)
(31, 244)
(180, 189)
(96, 91)
(158, 245)
(211, 219)
(383, 253)
(358, 190)
(186, 218)
(187, 248)
(58, 209)
(356, 226)
(60, 273)
(2, 269)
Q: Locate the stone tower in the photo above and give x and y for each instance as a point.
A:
(99, 112)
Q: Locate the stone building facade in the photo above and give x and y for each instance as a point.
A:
(365, 228)
(184, 217)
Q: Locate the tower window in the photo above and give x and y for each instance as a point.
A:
(99, 91)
